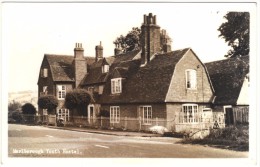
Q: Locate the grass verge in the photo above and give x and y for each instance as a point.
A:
(232, 138)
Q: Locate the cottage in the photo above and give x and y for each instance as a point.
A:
(138, 89)
(230, 80)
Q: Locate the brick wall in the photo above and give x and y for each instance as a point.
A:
(178, 92)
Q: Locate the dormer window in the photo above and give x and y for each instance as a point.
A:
(105, 68)
(191, 79)
(116, 85)
(44, 72)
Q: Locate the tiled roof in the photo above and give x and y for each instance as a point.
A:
(227, 77)
(61, 66)
(145, 84)
(95, 74)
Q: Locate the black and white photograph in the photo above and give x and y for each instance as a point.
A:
(129, 82)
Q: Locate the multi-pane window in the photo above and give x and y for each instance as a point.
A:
(114, 114)
(147, 114)
(191, 79)
(105, 68)
(61, 91)
(189, 113)
(116, 85)
(63, 113)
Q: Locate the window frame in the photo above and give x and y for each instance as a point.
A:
(105, 68)
(116, 85)
(61, 91)
(147, 115)
(63, 113)
(44, 72)
(190, 113)
(114, 114)
(189, 74)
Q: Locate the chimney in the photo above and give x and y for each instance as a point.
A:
(165, 42)
(150, 38)
(78, 51)
(99, 52)
(79, 64)
(117, 50)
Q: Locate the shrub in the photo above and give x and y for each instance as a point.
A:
(12, 106)
(48, 102)
(29, 109)
(17, 116)
(78, 99)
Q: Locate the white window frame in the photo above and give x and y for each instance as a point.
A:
(191, 79)
(44, 72)
(147, 114)
(105, 68)
(114, 114)
(116, 85)
(63, 113)
(45, 90)
(190, 113)
(61, 91)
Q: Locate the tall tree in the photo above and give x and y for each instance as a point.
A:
(235, 31)
(130, 42)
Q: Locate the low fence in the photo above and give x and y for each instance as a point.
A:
(125, 123)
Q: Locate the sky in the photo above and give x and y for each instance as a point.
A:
(30, 30)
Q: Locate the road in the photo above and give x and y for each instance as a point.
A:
(37, 141)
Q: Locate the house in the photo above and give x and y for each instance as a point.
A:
(230, 78)
(138, 89)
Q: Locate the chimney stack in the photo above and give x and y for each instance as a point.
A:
(150, 38)
(79, 64)
(117, 50)
(99, 52)
(165, 42)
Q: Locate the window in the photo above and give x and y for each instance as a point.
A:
(61, 91)
(105, 68)
(191, 79)
(189, 113)
(116, 85)
(45, 90)
(114, 114)
(147, 114)
(44, 72)
(63, 113)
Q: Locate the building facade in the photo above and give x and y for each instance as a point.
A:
(151, 84)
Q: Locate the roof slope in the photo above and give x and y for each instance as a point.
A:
(61, 66)
(227, 77)
(146, 84)
(95, 74)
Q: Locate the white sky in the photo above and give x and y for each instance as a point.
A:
(31, 30)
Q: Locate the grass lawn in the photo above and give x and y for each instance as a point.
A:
(232, 137)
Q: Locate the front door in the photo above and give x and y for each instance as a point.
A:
(90, 113)
(229, 119)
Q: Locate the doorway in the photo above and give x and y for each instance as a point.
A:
(90, 114)
(229, 116)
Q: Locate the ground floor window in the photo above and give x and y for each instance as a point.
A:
(63, 113)
(114, 114)
(189, 113)
(147, 114)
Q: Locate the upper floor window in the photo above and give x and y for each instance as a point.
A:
(105, 68)
(116, 85)
(61, 91)
(191, 79)
(44, 72)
